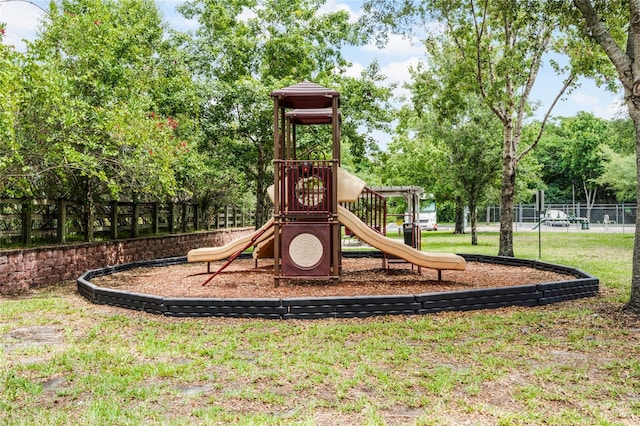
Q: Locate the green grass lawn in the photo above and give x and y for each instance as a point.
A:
(66, 361)
(606, 256)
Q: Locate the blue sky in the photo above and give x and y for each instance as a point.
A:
(22, 21)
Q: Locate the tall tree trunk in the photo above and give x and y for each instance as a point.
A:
(508, 191)
(628, 68)
(590, 195)
(633, 304)
(459, 228)
(474, 221)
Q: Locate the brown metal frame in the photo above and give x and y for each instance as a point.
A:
(304, 104)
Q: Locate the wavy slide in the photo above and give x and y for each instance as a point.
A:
(439, 261)
(210, 254)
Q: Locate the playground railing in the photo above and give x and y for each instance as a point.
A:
(371, 208)
(306, 186)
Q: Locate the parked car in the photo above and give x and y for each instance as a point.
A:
(428, 224)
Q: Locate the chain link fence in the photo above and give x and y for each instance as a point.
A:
(610, 216)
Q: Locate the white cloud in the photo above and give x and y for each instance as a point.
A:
(354, 70)
(585, 99)
(615, 109)
(175, 20)
(246, 14)
(22, 21)
(603, 107)
(397, 45)
(398, 72)
(337, 5)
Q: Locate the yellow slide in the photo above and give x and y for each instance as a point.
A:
(439, 261)
(211, 254)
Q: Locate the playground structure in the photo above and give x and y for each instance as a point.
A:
(304, 239)
(313, 198)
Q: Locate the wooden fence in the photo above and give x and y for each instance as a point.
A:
(26, 221)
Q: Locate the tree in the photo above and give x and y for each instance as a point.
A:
(465, 157)
(619, 174)
(243, 50)
(602, 24)
(472, 142)
(550, 153)
(501, 45)
(585, 134)
(11, 90)
(572, 156)
(469, 133)
(87, 123)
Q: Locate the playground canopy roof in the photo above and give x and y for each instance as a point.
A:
(305, 95)
(398, 191)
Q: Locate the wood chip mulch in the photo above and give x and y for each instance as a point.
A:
(242, 279)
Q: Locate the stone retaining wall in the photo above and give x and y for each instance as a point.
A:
(23, 269)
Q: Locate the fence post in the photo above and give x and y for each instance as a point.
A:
(196, 217)
(134, 219)
(183, 217)
(114, 220)
(155, 220)
(171, 218)
(62, 221)
(88, 222)
(25, 214)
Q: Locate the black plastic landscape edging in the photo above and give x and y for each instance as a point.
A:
(578, 284)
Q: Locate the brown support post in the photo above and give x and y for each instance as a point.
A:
(135, 213)
(335, 127)
(171, 218)
(294, 143)
(196, 217)
(276, 191)
(335, 225)
(287, 141)
(155, 218)
(88, 222)
(25, 214)
(114, 220)
(62, 221)
(184, 217)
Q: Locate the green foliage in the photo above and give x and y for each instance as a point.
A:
(494, 50)
(103, 107)
(10, 98)
(619, 174)
(573, 154)
(243, 50)
(622, 136)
